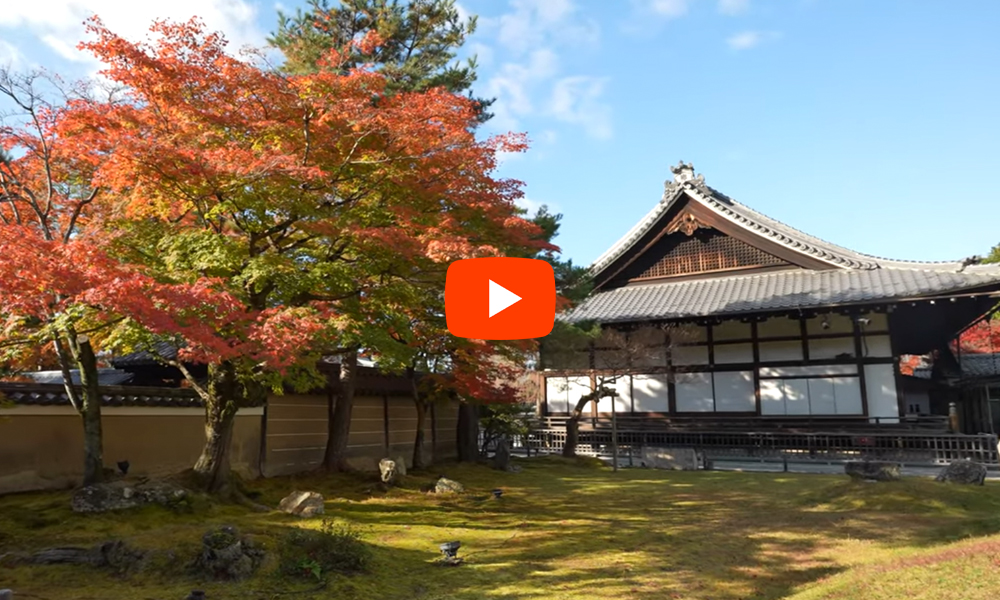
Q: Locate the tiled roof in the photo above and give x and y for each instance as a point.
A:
(104, 376)
(775, 291)
(165, 350)
(980, 365)
(40, 394)
(687, 185)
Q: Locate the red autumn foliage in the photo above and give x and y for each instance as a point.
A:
(981, 338)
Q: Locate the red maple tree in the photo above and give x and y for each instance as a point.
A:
(306, 204)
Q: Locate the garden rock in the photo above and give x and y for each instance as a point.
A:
(963, 471)
(401, 466)
(501, 460)
(872, 470)
(225, 555)
(388, 470)
(115, 555)
(302, 504)
(445, 486)
(123, 495)
(676, 459)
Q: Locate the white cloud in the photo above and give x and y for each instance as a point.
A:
(463, 13)
(10, 56)
(528, 85)
(670, 9)
(513, 84)
(483, 54)
(532, 205)
(733, 7)
(59, 23)
(751, 39)
(576, 100)
(533, 23)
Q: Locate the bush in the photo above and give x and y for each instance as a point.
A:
(333, 548)
(504, 420)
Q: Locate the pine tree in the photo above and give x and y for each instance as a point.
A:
(419, 42)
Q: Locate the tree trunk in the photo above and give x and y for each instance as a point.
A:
(573, 426)
(467, 434)
(93, 437)
(90, 410)
(339, 425)
(419, 455)
(213, 469)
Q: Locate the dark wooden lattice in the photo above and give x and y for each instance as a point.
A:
(706, 252)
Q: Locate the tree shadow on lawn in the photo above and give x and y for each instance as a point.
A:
(558, 532)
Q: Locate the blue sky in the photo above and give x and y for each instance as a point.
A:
(873, 125)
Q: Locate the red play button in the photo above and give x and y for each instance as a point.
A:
(500, 298)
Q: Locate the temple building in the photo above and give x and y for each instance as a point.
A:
(750, 321)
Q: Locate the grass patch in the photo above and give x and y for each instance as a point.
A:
(316, 553)
(563, 529)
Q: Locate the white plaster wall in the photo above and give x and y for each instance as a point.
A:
(918, 400)
(830, 348)
(836, 324)
(811, 370)
(694, 392)
(821, 397)
(772, 397)
(578, 386)
(731, 330)
(878, 345)
(778, 327)
(775, 351)
(651, 357)
(621, 401)
(690, 355)
(733, 353)
(880, 384)
(847, 395)
(650, 393)
(556, 393)
(734, 392)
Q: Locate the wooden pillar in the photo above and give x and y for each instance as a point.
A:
(434, 431)
(385, 421)
(860, 362)
(756, 365)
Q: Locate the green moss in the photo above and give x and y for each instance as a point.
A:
(563, 529)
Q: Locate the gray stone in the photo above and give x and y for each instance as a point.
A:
(388, 471)
(401, 465)
(226, 555)
(501, 460)
(872, 470)
(963, 471)
(115, 555)
(445, 486)
(302, 504)
(119, 495)
(6, 595)
(677, 459)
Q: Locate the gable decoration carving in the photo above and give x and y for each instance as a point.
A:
(686, 223)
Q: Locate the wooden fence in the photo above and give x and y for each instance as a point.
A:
(296, 432)
(907, 447)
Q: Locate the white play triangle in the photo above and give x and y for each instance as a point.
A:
(501, 298)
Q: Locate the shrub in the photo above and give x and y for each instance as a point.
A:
(333, 548)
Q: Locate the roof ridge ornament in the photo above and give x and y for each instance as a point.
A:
(683, 172)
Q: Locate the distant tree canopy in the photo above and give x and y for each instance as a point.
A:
(994, 255)
(417, 40)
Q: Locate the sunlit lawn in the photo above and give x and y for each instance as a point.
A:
(565, 530)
